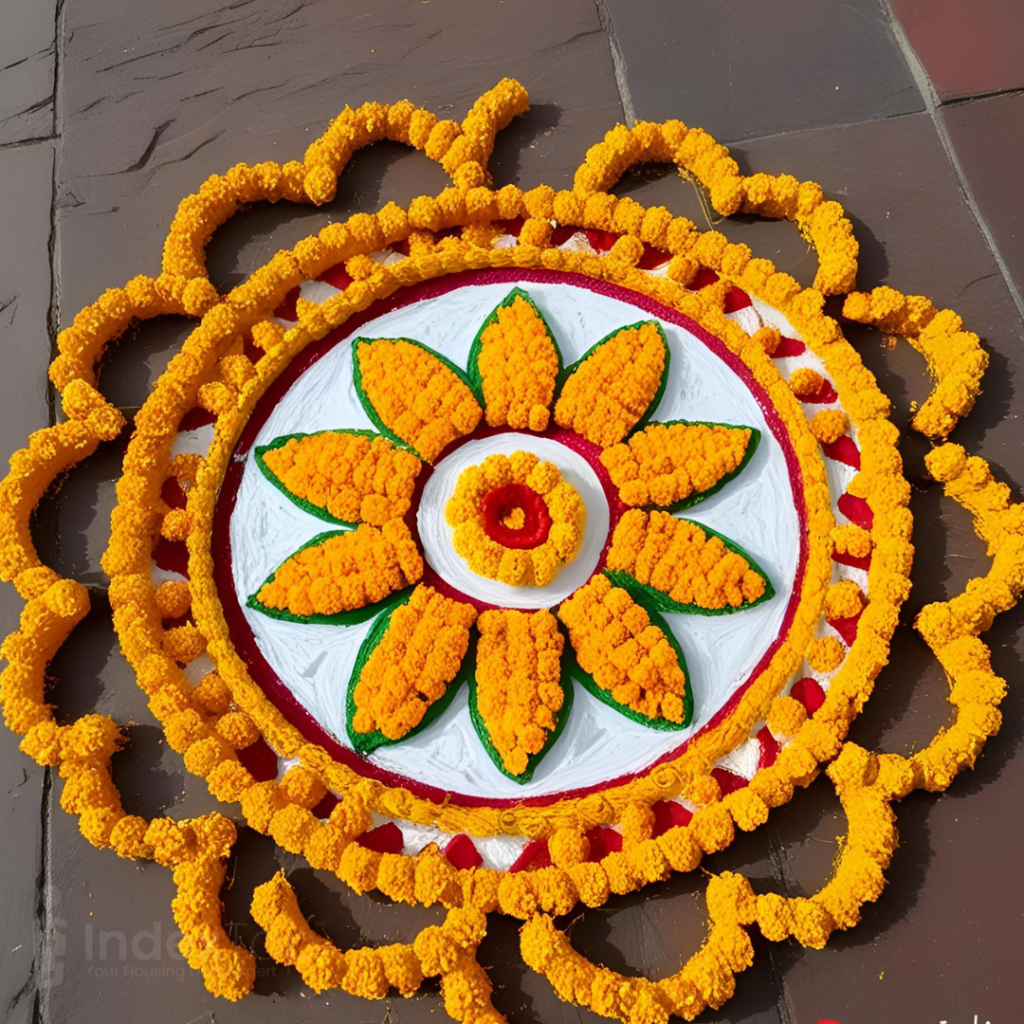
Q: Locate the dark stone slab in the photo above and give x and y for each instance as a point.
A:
(27, 70)
(966, 48)
(742, 69)
(26, 190)
(988, 136)
(159, 101)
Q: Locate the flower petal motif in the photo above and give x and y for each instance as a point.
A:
(616, 385)
(679, 566)
(518, 703)
(678, 464)
(414, 395)
(627, 656)
(408, 669)
(514, 365)
(534, 566)
(339, 576)
(342, 476)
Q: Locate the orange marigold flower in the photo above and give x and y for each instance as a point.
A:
(522, 566)
(829, 425)
(678, 558)
(825, 654)
(851, 540)
(629, 657)
(806, 382)
(353, 477)
(844, 600)
(518, 365)
(667, 462)
(518, 690)
(415, 395)
(347, 570)
(411, 667)
(612, 388)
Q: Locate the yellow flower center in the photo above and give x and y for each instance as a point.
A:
(516, 519)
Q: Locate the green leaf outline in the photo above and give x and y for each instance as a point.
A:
(366, 742)
(352, 617)
(303, 503)
(473, 374)
(696, 499)
(651, 597)
(569, 370)
(533, 760)
(587, 681)
(364, 398)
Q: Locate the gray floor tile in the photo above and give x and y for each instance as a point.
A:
(741, 68)
(966, 46)
(988, 136)
(27, 70)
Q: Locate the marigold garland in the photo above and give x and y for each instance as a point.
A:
(207, 727)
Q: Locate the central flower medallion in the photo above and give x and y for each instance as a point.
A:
(516, 519)
(510, 525)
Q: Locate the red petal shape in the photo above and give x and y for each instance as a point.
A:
(851, 560)
(602, 241)
(702, 279)
(383, 839)
(843, 449)
(336, 276)
(857, 510)
(809, 692)
(561, 234)
(288, 309)
(825, 396)
(846, 628)
(603, 841)
(735, 300)
(259, 760)
(173, 494)
(789, 347)
(195, 418)
(324, 808)
(668, 814)
(171, 556)
(512, 227)
(501, 502)
(728, 781)
(653, 258)
(462, 852)
(769, 748)
(535, 855)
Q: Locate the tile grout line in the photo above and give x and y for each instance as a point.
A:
(618, 64)
(45, 901)
(932, 106)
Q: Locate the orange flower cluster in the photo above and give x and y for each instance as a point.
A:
(355, 478)
(805, 382)
(415, 395)
(626, 654)
(518, 688)
(518, 567)
(829, 425)
(844, 600)
(667, 462)
(678, 558)
(411, 667)
(347, 570)
(613, 387)
(518, 365)
(826, 654)
(852, 540)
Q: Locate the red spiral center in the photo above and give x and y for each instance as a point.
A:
(500, 503)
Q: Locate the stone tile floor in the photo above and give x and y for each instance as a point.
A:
(110, 113)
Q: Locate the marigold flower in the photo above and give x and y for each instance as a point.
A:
(411, 667)
(352, 477)
(805, 382)
(629, 657)
(825, 654)
(666, 463)
(614, 385)
(518, 688)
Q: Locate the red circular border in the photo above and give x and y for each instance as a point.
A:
(241, 635)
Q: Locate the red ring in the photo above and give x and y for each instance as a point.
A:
(500, 503)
